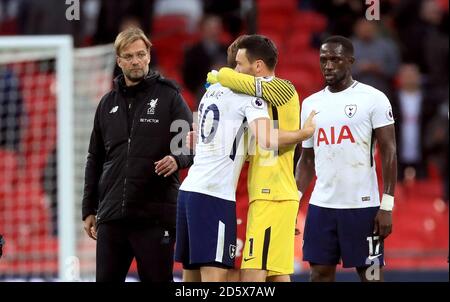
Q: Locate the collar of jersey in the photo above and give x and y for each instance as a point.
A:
(266, 79)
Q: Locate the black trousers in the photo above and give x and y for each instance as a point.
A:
(119, 241)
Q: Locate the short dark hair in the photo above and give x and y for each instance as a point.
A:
(260, 47)
(345, 42)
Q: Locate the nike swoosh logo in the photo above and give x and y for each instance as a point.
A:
(247, 259)
(373, 257)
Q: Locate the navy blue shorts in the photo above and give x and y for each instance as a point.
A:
(334, 234)
(206, 231)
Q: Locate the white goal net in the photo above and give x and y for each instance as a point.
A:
(48, 96)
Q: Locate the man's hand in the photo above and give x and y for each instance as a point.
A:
(166, 166)
(297, 230)
(90, 226)
(211, 78)
(383, 223)
(309, 126)
(191, 137)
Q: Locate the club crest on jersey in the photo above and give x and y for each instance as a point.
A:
(350, 110)
(257, 103)
(232, 251)
(152, 104)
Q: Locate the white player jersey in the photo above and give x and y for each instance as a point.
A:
(344, 144)
(220, 151)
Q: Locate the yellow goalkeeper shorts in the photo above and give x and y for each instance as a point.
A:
(270, 236)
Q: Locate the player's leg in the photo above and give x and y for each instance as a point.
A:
(153, 247)
(214, 273)
(234, 275)
(281, 260)
(256, 246)
(320, 243)
(114, 253)
(212, 236)
(269, 247)
(360, 248)
(253, 275)
(191, 275)
(279, 278)
(322, 273)
(287, 239)
(182, 240)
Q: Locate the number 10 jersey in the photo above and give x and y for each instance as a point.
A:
(222, 142)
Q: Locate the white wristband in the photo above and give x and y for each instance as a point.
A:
(300, 195)
(387, 202)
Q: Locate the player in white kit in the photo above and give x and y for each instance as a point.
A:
(206, 213)
(206, 210)
(345, 220)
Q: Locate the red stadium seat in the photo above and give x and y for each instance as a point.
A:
(304, 81)
(301, 58)
(444, 5)
(39, 137)
(168, 24)
(276, 37)
(169, 49)
(309, 21)
(273, 22)
(169, 37)
(270, 6)
(8, 174)
(41, 254)
(190, 99)
(298, 42)
(419, 226)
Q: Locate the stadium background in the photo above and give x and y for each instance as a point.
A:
(409, 32)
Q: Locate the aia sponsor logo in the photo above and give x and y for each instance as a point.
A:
(334, 136)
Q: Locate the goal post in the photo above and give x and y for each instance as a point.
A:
(61, 47)
(42, 175)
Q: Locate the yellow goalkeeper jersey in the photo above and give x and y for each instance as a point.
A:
(270, 175)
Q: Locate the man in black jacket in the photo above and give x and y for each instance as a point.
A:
(131, 180)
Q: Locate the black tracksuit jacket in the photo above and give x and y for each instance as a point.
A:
(131, 132)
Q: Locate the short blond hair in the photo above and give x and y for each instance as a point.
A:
(129, 36)
(232, 51)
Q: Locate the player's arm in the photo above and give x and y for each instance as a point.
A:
(180, 156)
(305, 170)
(94, 169)
(271, 139)
(277, 91)
(191, 138)
(306, 165)
(287, 138)
(385, 137)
